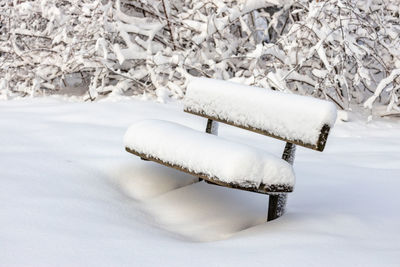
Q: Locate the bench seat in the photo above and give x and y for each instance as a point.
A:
(213, 158)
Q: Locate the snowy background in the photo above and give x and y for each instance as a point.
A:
(345, 51)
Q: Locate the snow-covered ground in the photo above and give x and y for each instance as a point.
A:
(71, 196)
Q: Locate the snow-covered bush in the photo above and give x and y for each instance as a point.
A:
(347, 51)
(343, 50)
(126, 47)
(48, 44)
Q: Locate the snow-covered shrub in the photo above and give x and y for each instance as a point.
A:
(129, 47)
(166, 42)
(347, 51)
(47, 44)
(342, 50)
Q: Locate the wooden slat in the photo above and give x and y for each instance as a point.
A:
(319, 146)
(263, 189)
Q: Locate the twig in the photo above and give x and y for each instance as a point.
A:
(169, 24)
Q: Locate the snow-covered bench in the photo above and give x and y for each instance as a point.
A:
(298, 120)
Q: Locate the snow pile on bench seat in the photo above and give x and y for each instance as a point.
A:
(214, 156)
(292, 117)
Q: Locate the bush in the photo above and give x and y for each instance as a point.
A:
(345, 51)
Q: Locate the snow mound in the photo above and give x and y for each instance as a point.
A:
(292, 117)
(212, 155)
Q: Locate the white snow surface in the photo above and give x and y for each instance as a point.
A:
(215, 156)
(290, 116)
(72, 196)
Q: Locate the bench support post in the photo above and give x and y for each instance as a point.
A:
(211, 128)
(277, 202)
(289, 153)
(276, 206)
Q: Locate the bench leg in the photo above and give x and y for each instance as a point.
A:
(211, 128)
(276, 206)
(277, 202)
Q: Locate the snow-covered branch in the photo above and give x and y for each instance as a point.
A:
(346, 51)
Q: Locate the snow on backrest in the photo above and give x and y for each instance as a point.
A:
(289, 117)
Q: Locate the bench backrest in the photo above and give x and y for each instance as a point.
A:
(296, 119)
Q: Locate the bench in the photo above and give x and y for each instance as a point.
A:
(297, 120)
